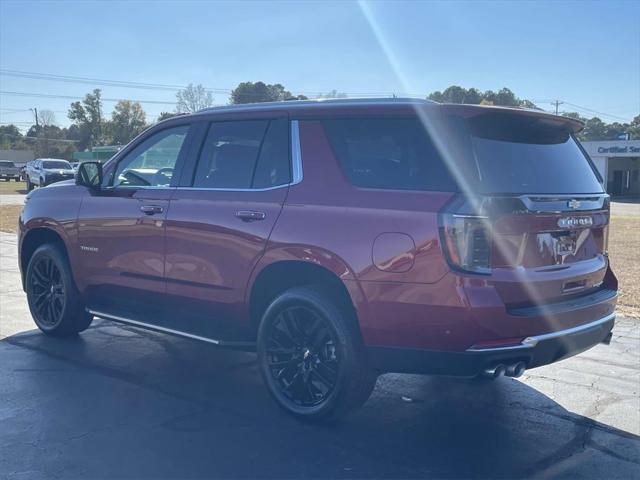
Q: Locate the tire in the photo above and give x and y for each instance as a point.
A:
(311, 356)
(54, 300)
(42, 183)
(29, 185)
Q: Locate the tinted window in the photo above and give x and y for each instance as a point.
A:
(7, 164)
(388, 152)
(521, 155)
(56, 164)
(244, 154)
(152, 163)
(273, 166)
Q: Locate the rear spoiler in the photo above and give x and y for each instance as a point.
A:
(543, 118)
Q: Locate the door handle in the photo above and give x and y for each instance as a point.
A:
(250, 215)
(151, 209)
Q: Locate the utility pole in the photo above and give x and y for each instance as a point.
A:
(557, 103)
(35, 111)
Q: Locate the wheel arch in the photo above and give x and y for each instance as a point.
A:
(276, 277)
(33, 239)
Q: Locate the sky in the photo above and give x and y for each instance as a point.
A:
(582, 53)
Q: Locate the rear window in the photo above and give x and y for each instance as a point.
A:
(521, 154)
(388, 153)
(56, 164)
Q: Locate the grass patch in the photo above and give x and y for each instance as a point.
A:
(9, 217)
(12, 188)
(624, 252)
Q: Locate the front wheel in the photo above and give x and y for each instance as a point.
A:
(311, 356)
(53, 298)
(42, 183)
(29, 185)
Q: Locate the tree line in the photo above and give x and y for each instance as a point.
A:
(90, 126)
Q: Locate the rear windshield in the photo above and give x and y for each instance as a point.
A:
(56, 164)
(6, 164)
(389, 153)
(520, 154)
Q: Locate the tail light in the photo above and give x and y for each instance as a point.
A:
(466, 237)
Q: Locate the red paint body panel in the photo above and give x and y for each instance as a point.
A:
(384, 245)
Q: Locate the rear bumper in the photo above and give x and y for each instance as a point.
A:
(534, 351)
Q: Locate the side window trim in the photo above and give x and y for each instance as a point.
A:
(185, 147)
(295, 160)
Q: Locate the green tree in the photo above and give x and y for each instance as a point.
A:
(634, 128)
(192, 99)
(594, 129)
(575, 115)
(472, 96)
(332, 94)
(165, 115)
(503, 97)
(87, 115)
(9, 134)
(256, 92)
(127, 121)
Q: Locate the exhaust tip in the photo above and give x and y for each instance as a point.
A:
(516, 370)
(495, 372)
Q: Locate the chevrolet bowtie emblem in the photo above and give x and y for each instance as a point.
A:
(573, 204)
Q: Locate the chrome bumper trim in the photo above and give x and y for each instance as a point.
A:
(531, 342)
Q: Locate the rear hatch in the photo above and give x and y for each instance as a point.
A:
(533, 215)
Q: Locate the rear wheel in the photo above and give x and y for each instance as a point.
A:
(53, 298)
(311, 356)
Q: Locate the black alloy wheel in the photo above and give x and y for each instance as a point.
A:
(47, 291)
(54, 301)
(302, 356)
(311, 354)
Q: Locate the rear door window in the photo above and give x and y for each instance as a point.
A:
(244, 155)
(388, 153)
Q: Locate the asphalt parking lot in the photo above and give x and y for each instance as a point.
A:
(122, 402)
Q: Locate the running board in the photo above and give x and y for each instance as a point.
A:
(248, 346)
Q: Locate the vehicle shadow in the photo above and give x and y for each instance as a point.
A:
(119, 401)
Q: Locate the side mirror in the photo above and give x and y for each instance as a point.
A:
(89, 175)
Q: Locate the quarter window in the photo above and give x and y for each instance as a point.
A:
(388, 153)
(153, 162)
(244, 154)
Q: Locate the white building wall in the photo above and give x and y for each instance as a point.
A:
(601, 165)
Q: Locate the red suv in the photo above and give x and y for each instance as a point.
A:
(339, 240)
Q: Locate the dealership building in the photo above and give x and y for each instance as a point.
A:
(618, 161)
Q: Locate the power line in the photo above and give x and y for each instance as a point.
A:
(39, 138)
(595, 111)
(70, 97)
(155, 86)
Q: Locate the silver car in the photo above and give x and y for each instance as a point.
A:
(45, 171)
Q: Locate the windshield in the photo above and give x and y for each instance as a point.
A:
(56, 165)
(522, 154)
(6, 164)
